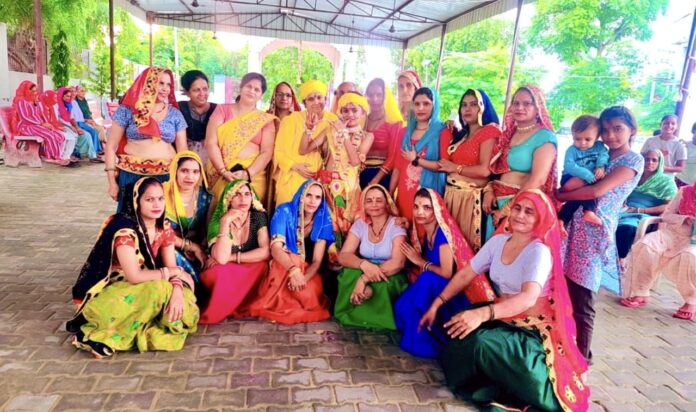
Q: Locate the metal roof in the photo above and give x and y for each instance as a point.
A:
(391, 23)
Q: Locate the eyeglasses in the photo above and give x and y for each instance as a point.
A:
(281, 95)
(526, 105)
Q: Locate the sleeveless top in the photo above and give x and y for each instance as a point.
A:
(196, 125)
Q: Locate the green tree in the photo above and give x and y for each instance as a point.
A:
(658, 98)
(99, 81)
(282, 65)
(59, 64)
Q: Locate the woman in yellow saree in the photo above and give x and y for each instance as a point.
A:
(239, 139)
(290, 168)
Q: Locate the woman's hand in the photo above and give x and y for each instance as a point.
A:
(175, 307)
(239, 175)
(428, 318)
(361, 292)
(195, 251)
(303, 170)
(296, 280)
(409, 155)
(235, 216)
(488, 201)
(401, 222)
(113, 190)
(312, 120)
(227, 175)
(209, 263)
(465, 322)
(372, 272)
(447, 166)
(412, 254)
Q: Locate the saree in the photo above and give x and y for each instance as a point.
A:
(529, 360)
(377, 312)
(427, 285)
(191, 228)
(30, 119)
(233, 136)
(286, 154)
(121, 315)
(276, 302)
(233, 285)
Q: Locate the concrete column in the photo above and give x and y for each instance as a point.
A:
(5, 92)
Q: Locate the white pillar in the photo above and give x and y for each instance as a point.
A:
(5, 92)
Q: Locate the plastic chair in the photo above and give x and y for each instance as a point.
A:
(18, 149)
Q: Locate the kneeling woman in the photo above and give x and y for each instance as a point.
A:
(371, 280)
(238, 235)
(132, 293)
(301, 230)
(529, 358)
(436, 253)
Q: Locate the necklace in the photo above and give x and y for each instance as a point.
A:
(526, 128)
(378, 234)
(238, 230)
(422, 128)
(164, 106)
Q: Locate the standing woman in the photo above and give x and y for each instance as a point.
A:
(422, 144)
(152, 125)
(290, 168)
(408, 82)
(467, 163)
(238, 235)
(187, 200)
(525, 156)
(301, 230)
(384, 121)
(197, 110)
(32, 122)
(239, 139)
(132, 295)
(590, 257)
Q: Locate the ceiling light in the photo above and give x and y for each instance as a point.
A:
(194, 3)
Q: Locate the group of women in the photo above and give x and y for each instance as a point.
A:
(380, 214)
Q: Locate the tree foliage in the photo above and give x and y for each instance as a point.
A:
(59, 64)
(282, 66)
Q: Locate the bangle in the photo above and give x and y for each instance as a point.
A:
(427, 265)
(492, 317)
(222, 170)
(308, 132)
(223, 234)
(414, 162)
(239, 254)
(109, 169)
(444, 301)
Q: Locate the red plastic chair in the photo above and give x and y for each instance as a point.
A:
(18, 149)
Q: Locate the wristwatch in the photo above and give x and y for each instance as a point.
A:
(415, 161)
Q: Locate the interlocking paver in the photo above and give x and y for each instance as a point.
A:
(644, 359)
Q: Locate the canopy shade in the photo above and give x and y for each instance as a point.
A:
(390, 23)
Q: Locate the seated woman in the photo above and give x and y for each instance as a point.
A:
(187, 199)
(436, 255)
(671, 250)
(528, 359)
(132, 293)
(372, 277)
(49, 101)
(655, 189)
(301, 230)
(84, 147)
(70, 111)
(239, 242)
(239, 139)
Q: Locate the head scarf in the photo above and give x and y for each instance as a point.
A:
(392, 114)
(141, 97)
(294, 104)
(288, 222)
(486, 114)
(224, 205)
(659, 185)
(412, 77)
(312, 86)
(479, 289)
(431, 142)
(392, 210)
(174, 205)
(63, 106)
(24, 92)
(48, 99)
(98, 264)
(355, 98)
(555, 311)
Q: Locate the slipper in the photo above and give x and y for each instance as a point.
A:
(683, 314)
(73, 164)
(633, 302)
(96, 160)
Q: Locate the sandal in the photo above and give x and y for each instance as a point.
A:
(98, 350)
(683, 314)
(635, 302)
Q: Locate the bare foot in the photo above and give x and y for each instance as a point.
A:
(591, 217)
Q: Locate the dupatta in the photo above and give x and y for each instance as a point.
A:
(430, 141)
(479, 289)
(174, 205)
(48, 100)
(141, 97)
(287, 224)
(659, 185)
(392, 210)
(223, 206)
(552, 315)
(64, 107)
(486, 115)
(24, 92)
(294, 104)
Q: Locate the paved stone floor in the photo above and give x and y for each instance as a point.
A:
(645, 360)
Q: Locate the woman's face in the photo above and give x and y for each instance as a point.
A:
(67, 96)
(523, 108)
(652, 160)
(351, 114)
(251, 92)
(668, 127)
(406, 89)
(616, 133)
(375, 97)
(375, 203)
(470, 110)
(423, 210)
(242, 199)
(283, 97)
(315, 103)
(313, 198)
(188, 174)
(523, 217)
(33, 95)
(164, 87)
(199, 92)
(423, 108)
(151, 202)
